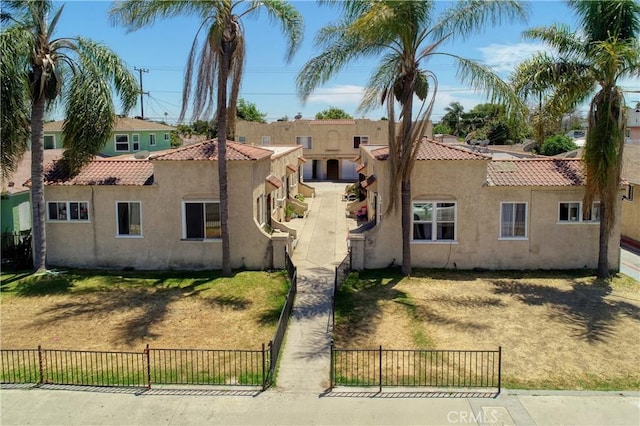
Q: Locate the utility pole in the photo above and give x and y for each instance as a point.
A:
(142, 93)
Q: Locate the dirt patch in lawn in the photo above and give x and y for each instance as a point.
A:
(556, 331)
(207, 314)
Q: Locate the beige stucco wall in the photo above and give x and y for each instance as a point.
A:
(161, 246)
(549, 244)
(332, 139)
(630, 223)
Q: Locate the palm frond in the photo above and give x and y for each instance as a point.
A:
(135, 14)
(290, 21)
(559, 37)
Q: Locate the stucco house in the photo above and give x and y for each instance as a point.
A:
(130, 135)
(163, 212)
(632, 130)
(329, 145)
(470, 211)
(630, 222)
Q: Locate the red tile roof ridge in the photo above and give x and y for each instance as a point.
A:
(208, 150)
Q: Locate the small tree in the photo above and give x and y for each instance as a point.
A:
(248, 111)
(332, 113)
(557, 144)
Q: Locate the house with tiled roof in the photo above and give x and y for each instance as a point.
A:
(163, 212)
(329, 145)
(130, 135)
(471, 211)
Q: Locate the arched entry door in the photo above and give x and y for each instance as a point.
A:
(333, 170)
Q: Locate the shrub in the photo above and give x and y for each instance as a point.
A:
(557, 144)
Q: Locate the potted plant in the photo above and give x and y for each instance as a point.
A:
(289, 213)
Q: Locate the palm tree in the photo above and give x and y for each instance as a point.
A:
(34, 67)
(404, 34)
(587, 66)
(453, 117)
(219, 60)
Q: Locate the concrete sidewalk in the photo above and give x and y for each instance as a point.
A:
(93, 406)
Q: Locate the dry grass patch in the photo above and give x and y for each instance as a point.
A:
(92, 310)
(556, 329)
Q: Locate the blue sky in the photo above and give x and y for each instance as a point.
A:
(270, 83)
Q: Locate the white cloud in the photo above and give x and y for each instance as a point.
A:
(338, 95)
(505, 57)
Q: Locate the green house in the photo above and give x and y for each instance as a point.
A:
(15, 198)
(130, 135)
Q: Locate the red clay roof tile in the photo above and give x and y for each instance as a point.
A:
(432, 150)
(208, 151)
(536, 172)
(104, 172)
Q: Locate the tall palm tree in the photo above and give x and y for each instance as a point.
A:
(404, 34)
(587, 66)
(36, 70)
(453, 117)
(215, 60)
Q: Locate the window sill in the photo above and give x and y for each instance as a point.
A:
(201, 240)
(427, 242)
(581, 222)
(513, 239)
(130, 236)
(67, 221)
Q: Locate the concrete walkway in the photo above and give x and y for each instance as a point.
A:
(321, 246)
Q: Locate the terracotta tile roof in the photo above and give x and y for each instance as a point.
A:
(431, 150)
(105, 172)
(536, 172)
(360, 167)
(20, 181)
(208, 151)
(273, 181)
(292, 168)
(123, 124)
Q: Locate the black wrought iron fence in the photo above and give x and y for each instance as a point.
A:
(409, 368)
(136, 369)
(16, 249)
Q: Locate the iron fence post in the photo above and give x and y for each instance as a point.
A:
(380, 370)
(499, 369)
(41, 364)
(264, 370)
(148, 359)
(331, 366)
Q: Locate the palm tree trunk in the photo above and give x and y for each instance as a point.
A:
(603, 253)
(38, 208)
(406, 226)
(222, 155)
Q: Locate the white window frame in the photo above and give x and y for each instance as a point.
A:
(266, 140)
(184, 220)
(115, 142)
(118, 234)
(152, 139)
(67, 209)
(167, 137)
(512, 226)
(135, 140)
(595, 206)
(305, 141)
(434, 222)
(45, 143)
(364, 139)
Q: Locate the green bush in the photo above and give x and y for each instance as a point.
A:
(557, 144)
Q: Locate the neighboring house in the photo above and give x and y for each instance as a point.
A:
(630, 222)
(632, 131)
(470, 211)
(130, 135)
(15, 201)
(163, 212)
(329, 145)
